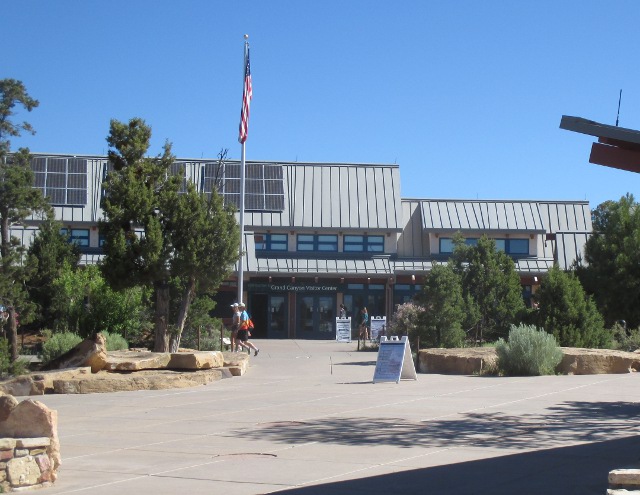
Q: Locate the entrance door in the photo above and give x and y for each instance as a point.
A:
(277, 317)
(316, 317)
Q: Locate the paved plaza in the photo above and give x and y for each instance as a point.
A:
(307, 419)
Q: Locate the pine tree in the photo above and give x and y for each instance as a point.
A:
(18, 200)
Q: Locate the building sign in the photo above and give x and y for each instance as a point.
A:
(394, 361)
(292, 287)
(343, 329)
(378, 327)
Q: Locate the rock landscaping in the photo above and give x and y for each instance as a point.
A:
(575, 361)
(89, 368)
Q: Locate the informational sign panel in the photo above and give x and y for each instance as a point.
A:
(343, 329)
(378, 327)
(394, 361)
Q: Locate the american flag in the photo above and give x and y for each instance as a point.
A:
(246, 101)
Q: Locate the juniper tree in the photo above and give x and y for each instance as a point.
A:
(160, 232)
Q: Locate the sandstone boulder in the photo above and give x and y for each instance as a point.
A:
(31, 418)
(134, 360)
(89, 352)
(576, 361)
(196, 360)
(236, 362)
(7, 404)
(104, 382)
(467, 361)
(39, 383)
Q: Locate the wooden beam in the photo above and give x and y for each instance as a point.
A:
(612, 156)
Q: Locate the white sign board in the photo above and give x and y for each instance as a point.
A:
(378, 327)
(394, 361)
(343, 329)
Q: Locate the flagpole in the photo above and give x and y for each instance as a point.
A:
(242, 177)
(240, 270)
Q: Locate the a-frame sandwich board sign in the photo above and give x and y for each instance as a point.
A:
(394, 361)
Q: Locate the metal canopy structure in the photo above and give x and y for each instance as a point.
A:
(617, 147)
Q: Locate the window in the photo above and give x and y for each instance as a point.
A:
(363, 244)
(77, 236)
(271, 242)
(314, 242)
(513, 247)
(62, 180)
(447, 246)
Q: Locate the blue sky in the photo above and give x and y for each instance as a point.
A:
(465, 96)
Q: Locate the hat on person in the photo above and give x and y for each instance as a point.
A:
(241, 304)
(235, 305)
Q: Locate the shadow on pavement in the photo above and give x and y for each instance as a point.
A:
(580, 469)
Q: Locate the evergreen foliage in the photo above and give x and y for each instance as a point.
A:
(612, 253)
(48, 255)
(568, 313)
(179, 243)
(528, 352)
(441, 321)
(491, 288)
(7, 366)
(18, 200)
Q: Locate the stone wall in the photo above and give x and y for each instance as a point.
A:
(29, 448)
(25, 462)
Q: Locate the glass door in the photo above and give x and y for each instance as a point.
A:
(316, 317)
(277, 317)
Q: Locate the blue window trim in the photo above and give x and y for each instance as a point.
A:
(512, 247)
(363, 244)
(271, 242)
(325, 243)
(77, 236)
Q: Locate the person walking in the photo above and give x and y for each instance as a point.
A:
(235, 325)
(244, 330)
(343, 311)
(364, 324)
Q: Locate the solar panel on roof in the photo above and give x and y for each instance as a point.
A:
(264, 187)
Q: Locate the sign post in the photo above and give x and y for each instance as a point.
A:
(378, 327)
(394, 361)
(343, 329)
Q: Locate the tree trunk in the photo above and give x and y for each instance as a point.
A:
(12, 334)
(161, 343)
(187, 297)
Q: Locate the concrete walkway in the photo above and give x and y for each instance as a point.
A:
(307, 419)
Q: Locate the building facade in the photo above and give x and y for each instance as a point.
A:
(321, 234)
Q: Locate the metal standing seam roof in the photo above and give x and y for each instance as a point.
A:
(467, 215)
(569, 247)
(336, 197)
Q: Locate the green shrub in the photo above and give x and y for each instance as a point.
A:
(115, 341)
(528, 352)
(19, 367)
(625, 341)
(58, 344)
(209, 339)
